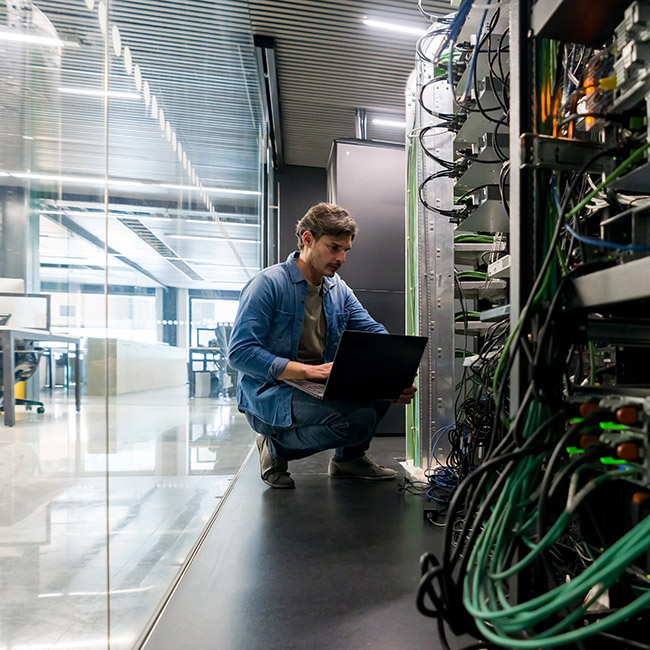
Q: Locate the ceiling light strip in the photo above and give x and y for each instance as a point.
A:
(210, 238)
(394, 27)
(116, 182)
(95, 92)
(398, 124)
(34, 39)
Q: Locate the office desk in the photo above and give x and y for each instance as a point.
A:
(8, 338)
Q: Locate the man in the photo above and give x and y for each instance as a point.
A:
(290, 319)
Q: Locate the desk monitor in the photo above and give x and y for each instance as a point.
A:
(12, 285)
(31, 311)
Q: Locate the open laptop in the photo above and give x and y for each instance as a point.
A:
(368, 366)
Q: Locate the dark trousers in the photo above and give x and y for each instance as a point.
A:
(317, 425)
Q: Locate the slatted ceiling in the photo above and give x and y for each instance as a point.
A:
(330, 63)
(196, 54)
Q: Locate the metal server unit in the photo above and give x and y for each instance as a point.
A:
(452, 205)
(430, 267)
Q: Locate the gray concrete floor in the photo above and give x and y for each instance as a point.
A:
(332, 564)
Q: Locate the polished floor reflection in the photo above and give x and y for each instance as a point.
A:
(170, 461)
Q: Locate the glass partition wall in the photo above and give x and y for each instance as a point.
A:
(131, 147)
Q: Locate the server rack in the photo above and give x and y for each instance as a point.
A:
(547, 543)
(451, 182)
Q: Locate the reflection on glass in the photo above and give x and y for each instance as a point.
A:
(132, 203)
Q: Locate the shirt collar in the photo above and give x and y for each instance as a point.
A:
(296, 274)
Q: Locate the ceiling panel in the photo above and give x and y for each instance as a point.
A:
(330, 63)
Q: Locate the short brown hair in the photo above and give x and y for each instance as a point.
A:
(326, 219)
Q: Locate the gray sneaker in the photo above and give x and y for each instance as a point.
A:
(360, 468)
(273, 470)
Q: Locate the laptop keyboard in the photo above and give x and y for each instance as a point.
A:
(314, 388)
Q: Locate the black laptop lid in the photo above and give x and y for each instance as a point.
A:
(374, 366)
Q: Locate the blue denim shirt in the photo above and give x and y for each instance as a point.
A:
(267, 330)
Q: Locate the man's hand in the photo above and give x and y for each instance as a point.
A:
(318, 373)
(296, 370)
(407, 395)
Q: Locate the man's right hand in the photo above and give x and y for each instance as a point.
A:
(296, 370)
(318, 373)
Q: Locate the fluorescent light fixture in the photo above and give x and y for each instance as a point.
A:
(200, 262)
(85, 180)
(116, 182)
(94, 92)
(398, 124)
(212, 237)
(217, 190)
(394, 27)
(34, 39)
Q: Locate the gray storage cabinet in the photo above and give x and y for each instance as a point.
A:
(368, 179)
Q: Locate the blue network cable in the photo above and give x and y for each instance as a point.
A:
(455, 28)
(602, 243)
(472, 65)
(436, 439)
(443, 480)
(592, 241)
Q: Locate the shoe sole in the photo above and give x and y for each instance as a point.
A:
(279, 487)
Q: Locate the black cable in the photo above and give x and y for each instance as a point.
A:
(473, 159)
(503, 174)
(475, 189)
(479, 46)
(544, 332)
(448, 117)
(559, 449)
(440, 31)
(443, 163)
(628, 644)
(495, 138)
(428, 179)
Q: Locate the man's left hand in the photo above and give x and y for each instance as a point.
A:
(407, 395)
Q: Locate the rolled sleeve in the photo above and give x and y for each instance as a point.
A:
(277, 366)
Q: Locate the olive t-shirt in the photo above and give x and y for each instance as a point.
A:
(314, 328)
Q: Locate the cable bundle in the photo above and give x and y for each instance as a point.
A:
(513, 530)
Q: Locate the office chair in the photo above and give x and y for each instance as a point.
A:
(221, 341)
(26, 363)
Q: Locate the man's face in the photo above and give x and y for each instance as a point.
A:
(327, 254)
